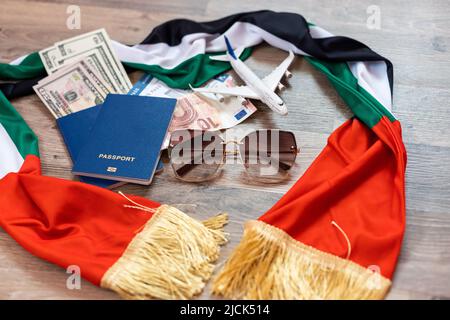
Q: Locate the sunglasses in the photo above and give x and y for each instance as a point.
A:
(197, 155)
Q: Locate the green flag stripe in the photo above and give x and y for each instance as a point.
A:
(30, 67)
(363, 104)
(194, 71)
(23, 137)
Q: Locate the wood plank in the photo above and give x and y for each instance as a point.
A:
(428, 178)
(424, 115)
(425, 259)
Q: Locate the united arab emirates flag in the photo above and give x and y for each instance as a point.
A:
(335, 234)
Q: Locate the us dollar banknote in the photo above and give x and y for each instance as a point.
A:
(96, 47)
(69, 90)
(96, 63)
(100, 51)
(99, 40)
(50, 58)
(95, 71)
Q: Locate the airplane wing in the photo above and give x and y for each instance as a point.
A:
(242, 91)
(272, 79)
(224, 57)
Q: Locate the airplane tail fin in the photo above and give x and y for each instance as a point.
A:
(231, 53)
(230, 50)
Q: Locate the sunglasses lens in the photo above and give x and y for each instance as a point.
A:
(196, 155)
(269, 154)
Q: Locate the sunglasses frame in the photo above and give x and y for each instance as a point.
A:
(235, 152)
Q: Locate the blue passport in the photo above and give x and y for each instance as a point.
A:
(75, 129)
(124, 143)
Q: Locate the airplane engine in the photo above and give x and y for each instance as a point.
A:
(220, 97)
(288, 74)
(281, 87)
(243, 101)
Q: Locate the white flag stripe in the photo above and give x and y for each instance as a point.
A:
(18, 60)
(371, 76)
(11, 160)
(319, 33)
(241, 34)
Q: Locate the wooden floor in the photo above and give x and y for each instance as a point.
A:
(415, 37)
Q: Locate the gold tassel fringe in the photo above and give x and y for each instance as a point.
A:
(171, 258)
(269, 264)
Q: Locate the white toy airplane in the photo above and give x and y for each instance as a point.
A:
(256, 88)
